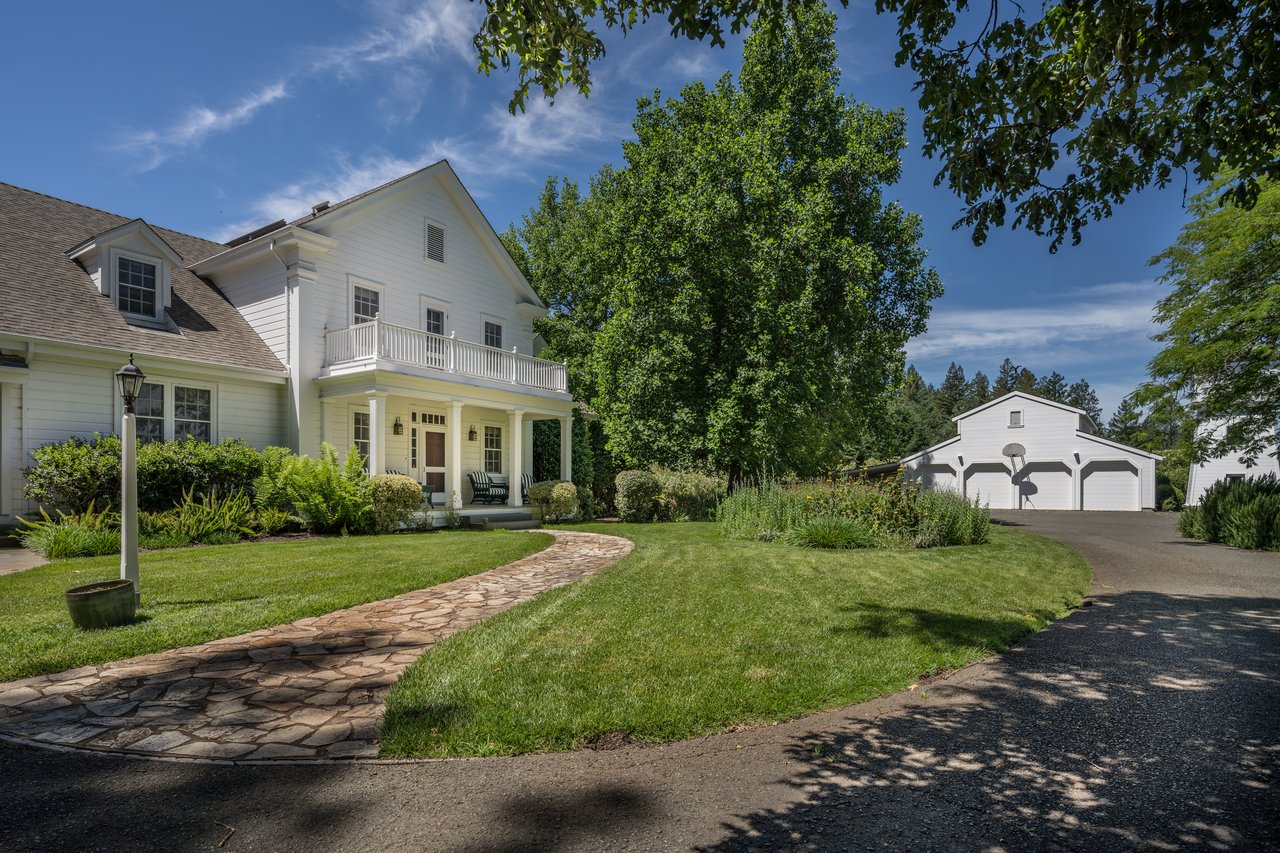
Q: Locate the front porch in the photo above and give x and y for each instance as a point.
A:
(438, 439)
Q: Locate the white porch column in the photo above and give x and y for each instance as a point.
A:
(377, 432)
(453, 454)
(515, 457)
(566, 448)
(526, 442)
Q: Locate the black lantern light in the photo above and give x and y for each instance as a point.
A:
(471, 434)
(130, 380)
(397, 428)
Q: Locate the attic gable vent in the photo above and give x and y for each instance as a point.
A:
(435, 243)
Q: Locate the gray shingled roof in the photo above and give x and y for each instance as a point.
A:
(46, 294)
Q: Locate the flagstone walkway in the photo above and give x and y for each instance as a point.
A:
(309, 690)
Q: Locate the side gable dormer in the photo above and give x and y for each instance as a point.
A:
(132, 266)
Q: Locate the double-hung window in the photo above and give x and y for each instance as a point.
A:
(149, 411)
(360, 434)
(137, 288)
(492, 334)
(365, 304)
(193, 413)
(167, 410)
(493, 450)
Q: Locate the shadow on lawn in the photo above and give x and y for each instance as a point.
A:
(941, 628)
(1146, 721)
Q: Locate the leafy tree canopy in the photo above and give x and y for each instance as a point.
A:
(739, 293)
(1047, 122)
(1221, 339)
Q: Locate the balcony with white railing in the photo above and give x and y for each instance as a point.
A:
(380, 341)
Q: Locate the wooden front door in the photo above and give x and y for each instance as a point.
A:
(433, 459)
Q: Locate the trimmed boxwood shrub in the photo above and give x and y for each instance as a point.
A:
(688, 495)
(72, 474)
(637, 495)
(395, 498)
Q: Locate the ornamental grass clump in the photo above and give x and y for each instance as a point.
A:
(891, 513)
(829, 532)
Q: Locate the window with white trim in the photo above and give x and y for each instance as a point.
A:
(172, 410)
(193, 413)
(366, 304)
(493, 450)
(148, 410)
(137, 286)
(493, 334)
(1015, 419)
(360, 433)
(433, 321)
(433, 242)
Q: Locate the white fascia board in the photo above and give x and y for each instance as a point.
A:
(472, 394)
(286, 237)
(1024, 396)
(929, 450)
(111, 356)
(1117, 445)
(136, 226)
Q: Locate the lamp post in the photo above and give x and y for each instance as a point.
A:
(129, 378)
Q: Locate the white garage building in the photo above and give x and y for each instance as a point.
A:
(1025, 452)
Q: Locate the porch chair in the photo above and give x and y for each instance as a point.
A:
(485, 490)
(526, 480)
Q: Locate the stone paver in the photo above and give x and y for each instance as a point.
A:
(312, 689)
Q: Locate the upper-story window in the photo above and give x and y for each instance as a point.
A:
(434, 242)
(492, 334)
(137, 286)
(1015, 418)
(366, 304)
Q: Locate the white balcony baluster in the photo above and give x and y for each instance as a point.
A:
(378, 339)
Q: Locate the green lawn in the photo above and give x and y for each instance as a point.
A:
(193, 595)
(693, 633)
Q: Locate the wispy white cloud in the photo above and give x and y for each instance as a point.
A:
(502, 147)
(153, 147)
(1099, 314)
(403, 35)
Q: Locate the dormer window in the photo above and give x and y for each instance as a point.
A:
(136, 286)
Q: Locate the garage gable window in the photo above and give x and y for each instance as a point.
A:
(1015, 419)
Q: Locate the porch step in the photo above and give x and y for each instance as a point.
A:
(505, 521)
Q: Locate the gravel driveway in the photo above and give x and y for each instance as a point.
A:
(1150, 719)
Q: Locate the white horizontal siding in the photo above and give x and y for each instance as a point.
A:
(257, 292)
(1218, 468)
(384, 245)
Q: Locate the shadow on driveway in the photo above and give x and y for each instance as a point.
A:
(1144, 721)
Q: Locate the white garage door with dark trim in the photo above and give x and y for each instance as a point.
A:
(1044, 485)
(989, 484)
(1111, 486)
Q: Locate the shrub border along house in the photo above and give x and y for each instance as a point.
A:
(1244, 513)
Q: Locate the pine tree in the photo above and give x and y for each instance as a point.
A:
(951, 393)
(1006, 378)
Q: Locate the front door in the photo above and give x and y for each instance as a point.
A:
(426, 450)
(433, 459)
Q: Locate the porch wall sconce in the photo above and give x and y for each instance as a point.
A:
(471, 433)
(397, 428)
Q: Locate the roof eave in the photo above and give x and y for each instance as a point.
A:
(288, 237)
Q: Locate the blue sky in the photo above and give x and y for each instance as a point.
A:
(217, 118)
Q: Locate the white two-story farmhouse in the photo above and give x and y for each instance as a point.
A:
(1025, 452)
(394, 320)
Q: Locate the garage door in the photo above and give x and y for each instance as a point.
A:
(940, 478)
(1111, 486)
(989, 485)
(1044, 485)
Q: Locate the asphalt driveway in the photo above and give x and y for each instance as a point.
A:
(1150, 719)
